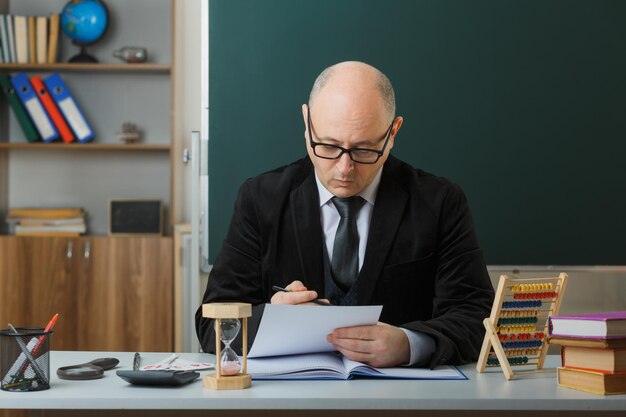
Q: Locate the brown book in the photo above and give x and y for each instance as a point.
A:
(45, 213)
(590, 381)
(591, 343)
(53, 39)
(32, 30)
(594, 359)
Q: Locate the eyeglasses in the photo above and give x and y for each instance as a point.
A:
(360, 155)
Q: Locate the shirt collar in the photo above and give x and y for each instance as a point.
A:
(368, 194)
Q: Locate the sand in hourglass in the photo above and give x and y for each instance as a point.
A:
(230, 368)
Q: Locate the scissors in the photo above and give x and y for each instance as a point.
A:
(90, 370)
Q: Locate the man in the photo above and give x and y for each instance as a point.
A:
(356, 226)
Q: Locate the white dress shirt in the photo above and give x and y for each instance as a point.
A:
(421, 346)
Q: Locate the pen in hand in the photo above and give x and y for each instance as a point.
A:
(318, 302)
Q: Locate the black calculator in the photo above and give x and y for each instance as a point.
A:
(163, 377)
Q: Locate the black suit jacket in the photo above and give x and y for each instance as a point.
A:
(422, 260)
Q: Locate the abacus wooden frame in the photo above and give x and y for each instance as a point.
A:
(491, 342)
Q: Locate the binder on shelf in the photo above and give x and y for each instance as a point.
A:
(32, 51)
(21, 39)
(52, 109)
(34, 108)
(1, 50)
(66, 103)
(20, 113)
(53, 38)
(42, 39)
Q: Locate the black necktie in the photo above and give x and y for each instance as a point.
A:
(345, 261)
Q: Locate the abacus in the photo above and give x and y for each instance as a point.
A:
(517, 327)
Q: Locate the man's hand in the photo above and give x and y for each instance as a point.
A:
(298, 294)
(379, 345)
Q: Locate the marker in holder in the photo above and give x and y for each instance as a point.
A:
(24, 359)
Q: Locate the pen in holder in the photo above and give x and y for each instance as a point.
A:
(24, 359)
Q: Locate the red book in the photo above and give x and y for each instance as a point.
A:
(52, 109)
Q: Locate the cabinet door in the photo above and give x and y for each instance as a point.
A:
(125, 294)
(37, 283)
(13, 289)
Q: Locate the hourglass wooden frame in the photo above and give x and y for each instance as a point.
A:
(517, 329)
(219, 311)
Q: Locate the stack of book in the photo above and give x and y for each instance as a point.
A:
(47, 221)
(593, 351)
(29, 39)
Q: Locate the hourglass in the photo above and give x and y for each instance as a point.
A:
(229, 318)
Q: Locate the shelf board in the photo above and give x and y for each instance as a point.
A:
(87, 146)
(65, 67)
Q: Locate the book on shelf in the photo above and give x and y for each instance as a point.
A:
(48, 222)
(42, 39)
(32, 40)
(45, 213)
(331, 365)
(608, 325)
(70, 228)
(53, 233)
(28, 127)
(4, 39)
(53, 38)
(11, 37)
(21, 39)
(591, 381)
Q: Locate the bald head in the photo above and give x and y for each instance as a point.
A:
(357, 82)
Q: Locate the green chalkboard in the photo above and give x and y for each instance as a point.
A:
(523, 103)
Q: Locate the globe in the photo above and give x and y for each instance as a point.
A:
(85, 22)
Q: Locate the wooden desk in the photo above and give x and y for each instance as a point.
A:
(486, 394)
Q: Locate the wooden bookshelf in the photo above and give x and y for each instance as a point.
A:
(109, 93)
(58, 146)
(65, 67)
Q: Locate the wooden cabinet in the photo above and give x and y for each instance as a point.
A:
(126, 294)
(36, 283)
(111, 293)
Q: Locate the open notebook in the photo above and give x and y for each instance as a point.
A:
(291, 344)
(331, 365)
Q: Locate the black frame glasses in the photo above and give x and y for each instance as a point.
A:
(354, 153)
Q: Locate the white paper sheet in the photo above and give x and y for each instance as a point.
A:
(291, 329)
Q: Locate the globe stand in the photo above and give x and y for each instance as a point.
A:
(83, 56)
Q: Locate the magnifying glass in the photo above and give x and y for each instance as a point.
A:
(90, 370)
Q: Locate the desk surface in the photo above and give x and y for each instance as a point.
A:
(488, 391)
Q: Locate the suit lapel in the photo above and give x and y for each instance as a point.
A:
(386, 217)
(305, 215)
